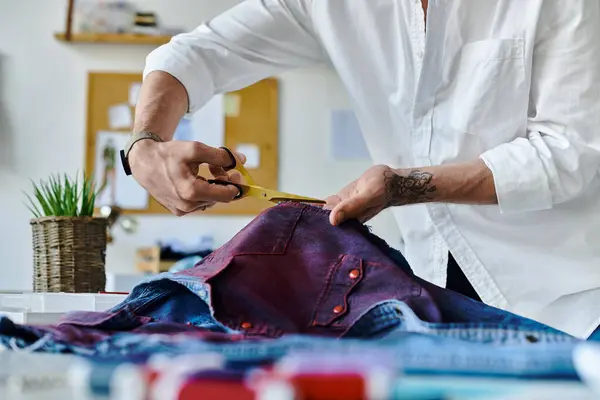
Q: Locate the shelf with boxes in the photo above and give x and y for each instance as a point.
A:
(116, 22)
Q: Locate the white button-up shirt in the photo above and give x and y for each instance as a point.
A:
(515, 83)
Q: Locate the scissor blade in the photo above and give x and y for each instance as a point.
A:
(298, 199)
(276, 196)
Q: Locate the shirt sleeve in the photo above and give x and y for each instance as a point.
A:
(560, 156)
(253, 40)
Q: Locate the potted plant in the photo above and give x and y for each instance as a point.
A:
(69, 243)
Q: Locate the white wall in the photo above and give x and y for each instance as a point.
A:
(42, 127)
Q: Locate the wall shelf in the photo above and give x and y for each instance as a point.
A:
(114, 38)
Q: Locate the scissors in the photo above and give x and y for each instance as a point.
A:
(252, 189)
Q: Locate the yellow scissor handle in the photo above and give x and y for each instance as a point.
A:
(239, 166)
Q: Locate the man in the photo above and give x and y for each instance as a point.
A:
(483, 118)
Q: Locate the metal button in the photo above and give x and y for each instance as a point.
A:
(246, 325)
(338, 309)
(354, 274)
(532, 339)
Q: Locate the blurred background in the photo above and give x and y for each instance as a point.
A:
(44, 116)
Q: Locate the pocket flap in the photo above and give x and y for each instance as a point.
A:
(333, 301)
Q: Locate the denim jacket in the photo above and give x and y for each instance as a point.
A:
(290, 281)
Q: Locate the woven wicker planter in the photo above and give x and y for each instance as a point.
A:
(69, 254)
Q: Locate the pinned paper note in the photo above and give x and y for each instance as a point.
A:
(119, 117)
(113, 187)
(233, 103)
(134, 93)
(347, 142)
(252, 153)
(208, 123)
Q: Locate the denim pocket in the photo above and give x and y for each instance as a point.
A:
(332, 304)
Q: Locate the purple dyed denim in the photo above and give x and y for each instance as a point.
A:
(290, 271)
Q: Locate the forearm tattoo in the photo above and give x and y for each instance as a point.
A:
(416, 187)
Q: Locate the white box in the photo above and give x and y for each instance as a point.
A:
(31, 318)
(48, 308)
(59, 302)
(123, 283)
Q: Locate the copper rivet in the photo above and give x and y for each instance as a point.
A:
(354, 274)
(338, 309)
(246, 325)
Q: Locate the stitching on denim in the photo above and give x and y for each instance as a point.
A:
(146, 289)
(347, 292)
(325, 291)
(293, 230)
(382, 312)
(289, 231)
(157, 296)
(497, 333)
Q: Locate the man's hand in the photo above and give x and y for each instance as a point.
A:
(168, 171)
(362, 199)
(382, 187)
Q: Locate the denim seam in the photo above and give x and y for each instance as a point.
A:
(146, 290)
(349, 289)
(323, 295)
(292, 231)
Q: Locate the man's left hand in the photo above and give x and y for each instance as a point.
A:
(382, 187)
(362, 199)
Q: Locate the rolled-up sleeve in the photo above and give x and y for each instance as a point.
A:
(560, 155)
(253, 40)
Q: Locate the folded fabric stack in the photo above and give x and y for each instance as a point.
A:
(290, 286)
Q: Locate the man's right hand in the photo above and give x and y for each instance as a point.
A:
(168, 171)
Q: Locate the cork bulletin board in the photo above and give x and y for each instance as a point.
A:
(251, 121)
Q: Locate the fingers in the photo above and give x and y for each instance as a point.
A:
(241, 157)
(201, 190)
(197, 192)
(235, 177)
(193, 192)
(190, 208)
(331, 202)
(200, 153)
(222, 175)
(196, 152)
(205, 207)
(352, 208)
(218, 172)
